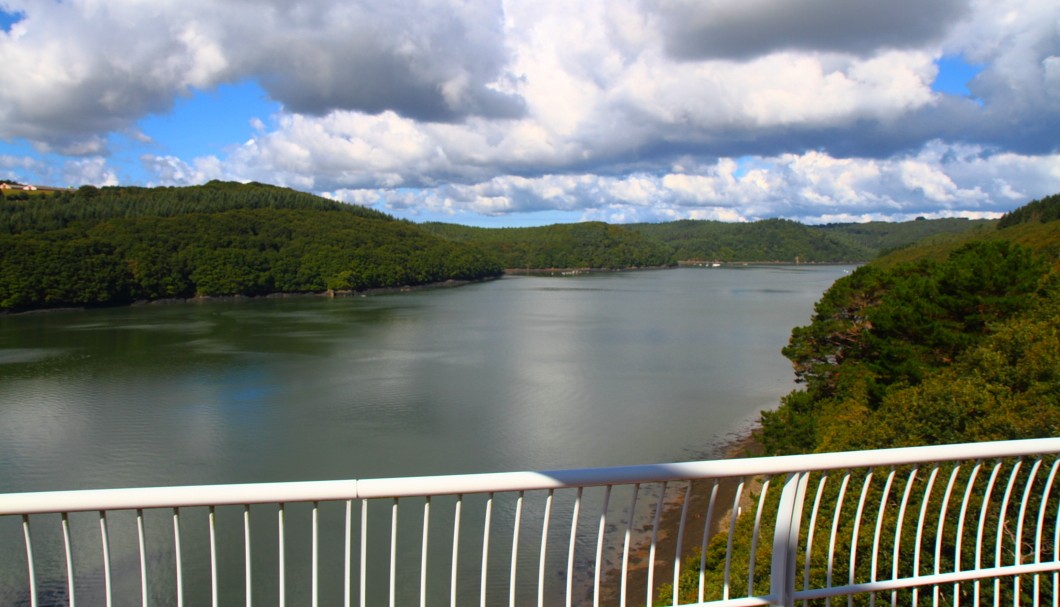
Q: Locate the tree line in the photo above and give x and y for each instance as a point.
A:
(116, 246)
(942, 344)
(577, 245)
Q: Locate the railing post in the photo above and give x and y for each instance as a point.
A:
(786, 539)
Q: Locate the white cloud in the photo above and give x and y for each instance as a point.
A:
(941, 181)
(612, 108)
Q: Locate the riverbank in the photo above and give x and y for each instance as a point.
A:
(331, 293)
(578, 271)
(744, 445)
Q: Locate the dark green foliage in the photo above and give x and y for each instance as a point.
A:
(878, 332)
(779, 240)
(1038, 211)
(579, 245)
(89, 204)
(776, 240)
(926, 351)
(121, 245)
(946, 350)
(883, 236)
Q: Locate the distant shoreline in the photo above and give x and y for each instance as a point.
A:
(331, 294)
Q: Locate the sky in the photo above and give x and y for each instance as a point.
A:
(527, 112)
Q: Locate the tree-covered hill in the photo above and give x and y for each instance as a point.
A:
(945, 342)
(782, 240)
(89, 204)
(954, 341)
(115, 246)
(883, 236)
(777, 240)
(580, 245)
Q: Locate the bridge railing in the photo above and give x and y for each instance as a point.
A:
(974, 524)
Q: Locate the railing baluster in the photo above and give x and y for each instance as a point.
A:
(423, 551)
(898, 529)
(141, 544)
(1041, 524)
(282, 565)
(600, 547)
(1002, 512)
(835, 532)
(754, 538)
(544, 544)
(857, 529)
(680, 540)
(809, 534)
(1056, 558)
(485, 549)
(393, 551)
(67, 549)
(570, 551)
(1018, 545)
(982, 527)
(625, 544)
(456, 548)
(178, 557)
(315, 557)
(920, 528)
(960, 527)
(941, 528)
(213, 556)
(364, 553)
(515, 546)
(347, 556)
(733, 514)
(706, 537)
(786, 539)
(104, 537)
(654, 540)
(246, 555)
(879, 529)
(29, 561)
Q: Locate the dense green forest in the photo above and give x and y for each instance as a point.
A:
(117, 245)
(575, 245)
(963, 322)
(954, 341)
(599, 245)
(787, 241)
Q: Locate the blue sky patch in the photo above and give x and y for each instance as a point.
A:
(209, 122)
(8, 19)
(954, 75)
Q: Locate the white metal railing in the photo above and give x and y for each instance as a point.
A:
(975, 523)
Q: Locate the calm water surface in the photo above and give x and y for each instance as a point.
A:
(522, 373)
(519, 373)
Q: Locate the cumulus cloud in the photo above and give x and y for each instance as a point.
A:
(618, 109)
(743, 29)
(940, 181)
(86, 68)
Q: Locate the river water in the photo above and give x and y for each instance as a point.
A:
(520, 373)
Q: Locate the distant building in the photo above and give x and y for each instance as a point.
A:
(29, 188)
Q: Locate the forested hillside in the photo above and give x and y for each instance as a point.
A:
(956, 341)
(118, 245)
(787, 241)
(970, 326)
(577, 245)
(768, 240)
